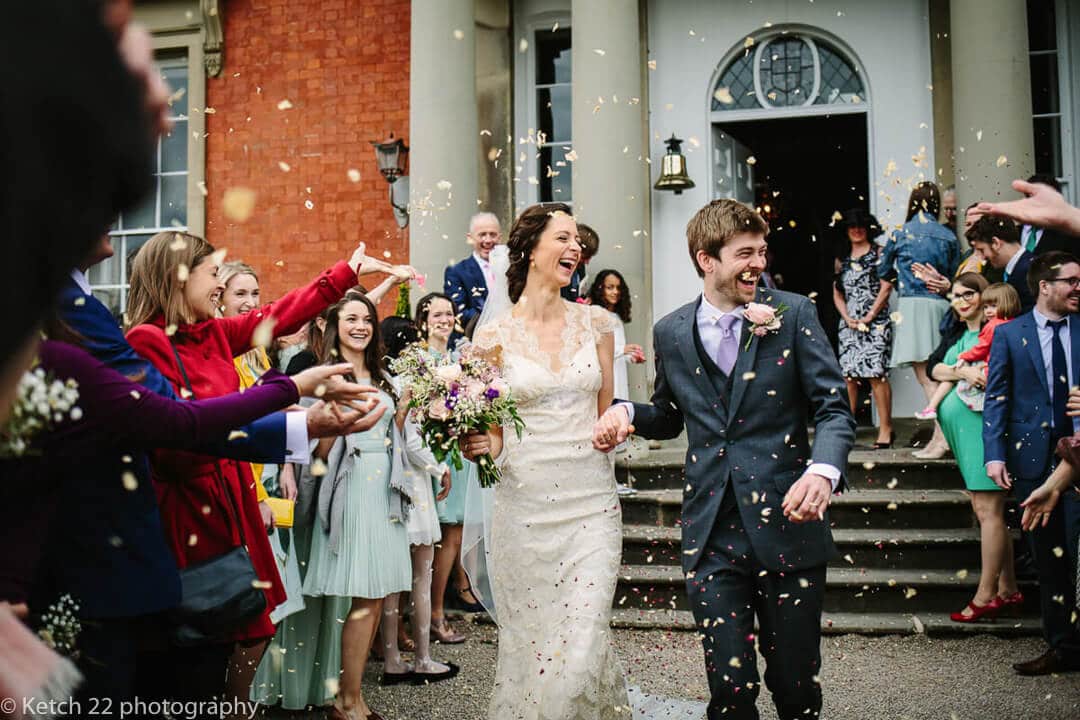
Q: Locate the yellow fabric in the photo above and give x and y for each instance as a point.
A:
(250, 366)
(283, 511)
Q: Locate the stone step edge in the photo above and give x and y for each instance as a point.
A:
(886, 536)
(861, 459)
(931, 624)
(869, 497)
(836, 577)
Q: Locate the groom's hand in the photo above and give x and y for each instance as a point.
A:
(807, 499)
(611, 429)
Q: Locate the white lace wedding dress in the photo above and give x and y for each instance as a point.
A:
(556, 532)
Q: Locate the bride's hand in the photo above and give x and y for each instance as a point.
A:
(611, 429)
(475, 445)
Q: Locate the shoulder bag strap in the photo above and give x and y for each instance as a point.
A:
(217, 466)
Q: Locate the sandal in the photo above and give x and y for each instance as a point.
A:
(441, 632)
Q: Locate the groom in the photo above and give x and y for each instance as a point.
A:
(744, 368)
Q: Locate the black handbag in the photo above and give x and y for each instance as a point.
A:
(221, 595)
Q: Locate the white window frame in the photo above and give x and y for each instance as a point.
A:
(525, 108)
(1067, 29)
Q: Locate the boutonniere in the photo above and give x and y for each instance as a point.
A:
(763, 319)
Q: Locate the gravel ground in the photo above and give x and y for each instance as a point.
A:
(906, 678)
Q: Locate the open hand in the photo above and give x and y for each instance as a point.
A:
(326, 420)
(635, 352)
(934, 280)
(807, 499)
(1038, 506)
(1073, 404)
(326, 383)
(1044, 207)
(612, 429)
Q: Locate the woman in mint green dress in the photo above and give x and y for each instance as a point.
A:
(436, 319)
(997, 591)
(358, 547)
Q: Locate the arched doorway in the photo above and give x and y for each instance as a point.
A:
(788, 111)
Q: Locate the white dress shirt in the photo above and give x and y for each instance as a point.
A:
(1011, 265)
(1046, 340)
(485, 268)
(711, 334)
(81, 280)
(1024, 229)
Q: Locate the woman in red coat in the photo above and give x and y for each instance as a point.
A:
(171, 311)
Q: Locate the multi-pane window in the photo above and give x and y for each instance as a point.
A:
(788, 71)
(553, 114)
(1045, 61)
(163, 209)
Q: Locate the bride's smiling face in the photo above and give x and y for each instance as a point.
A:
(557, 252)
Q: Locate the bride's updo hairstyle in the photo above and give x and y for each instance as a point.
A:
(523, 238)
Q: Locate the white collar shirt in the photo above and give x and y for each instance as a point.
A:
(1046, 340)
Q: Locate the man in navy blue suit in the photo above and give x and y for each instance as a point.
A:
(1034, 361)
(467, 281)
(997, 241)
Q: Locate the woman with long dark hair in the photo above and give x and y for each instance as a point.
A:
(610, 292)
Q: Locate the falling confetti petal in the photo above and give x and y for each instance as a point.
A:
(284, 105)
(238, 204)
(1001, 160)
(131, 484)
(354, 175)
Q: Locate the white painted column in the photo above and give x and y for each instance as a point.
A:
(610, 172)
(991, 85)
(444, 143)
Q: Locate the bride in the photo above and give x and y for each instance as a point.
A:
(555, 538)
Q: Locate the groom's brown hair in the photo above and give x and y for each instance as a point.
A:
(716, 223)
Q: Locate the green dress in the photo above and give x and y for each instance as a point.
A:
(963, 427)
(302, 666)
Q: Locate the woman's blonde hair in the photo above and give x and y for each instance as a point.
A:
(231, 269)
(156, 287)
(1004, 297)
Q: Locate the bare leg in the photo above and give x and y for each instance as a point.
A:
(461, 581)
(989, 507)
(883, 398)
(939, 394)
(388, 632)
(928, 384)
(356, 638)
(422, 556)
(1007, 586)
(242, 666)
(853, 394)
(446, 553)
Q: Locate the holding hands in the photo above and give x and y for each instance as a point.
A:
(612, 429)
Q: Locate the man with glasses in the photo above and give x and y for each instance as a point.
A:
(997, 241)
(1034, 360)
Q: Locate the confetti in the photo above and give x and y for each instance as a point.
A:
(284, 105)
(264, 332)
(444, 185)
(354, 175)
(182, 273)
(131, 484)
(237, 435)
(285, 167)
(238, 204)
(459, 34)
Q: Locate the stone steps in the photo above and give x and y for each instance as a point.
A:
(869, 508)
(848, 590)
(875, 623)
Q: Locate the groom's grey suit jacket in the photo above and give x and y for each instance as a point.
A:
(751, 431)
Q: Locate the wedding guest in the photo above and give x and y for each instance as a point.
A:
(948, 207)
(398, 333)
(1041, 205)
(435, 319)
(609, 291)
(997, 591)
(997, 241)
(1025, 416)
(922, 239)
(172, 305)
(466, 283)
(590, 245)
(359, 541)
(862, 299)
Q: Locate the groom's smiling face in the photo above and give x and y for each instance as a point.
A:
(733, 276)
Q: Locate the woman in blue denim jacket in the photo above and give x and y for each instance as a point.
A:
(922, 239)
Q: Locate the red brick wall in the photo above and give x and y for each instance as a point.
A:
(344, 67)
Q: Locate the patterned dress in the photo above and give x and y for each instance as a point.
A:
(863, 353)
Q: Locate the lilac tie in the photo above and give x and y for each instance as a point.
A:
(729, 343)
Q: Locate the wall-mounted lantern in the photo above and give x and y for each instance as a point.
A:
(392, 156)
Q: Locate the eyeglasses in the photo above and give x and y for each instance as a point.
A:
(1074, 282)
(965, 296)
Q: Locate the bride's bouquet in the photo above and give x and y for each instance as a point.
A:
(449, 399)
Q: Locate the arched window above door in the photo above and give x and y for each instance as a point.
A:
(788, 70)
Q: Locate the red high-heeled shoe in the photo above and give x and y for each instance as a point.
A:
(1013, 605)
(978, 612)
